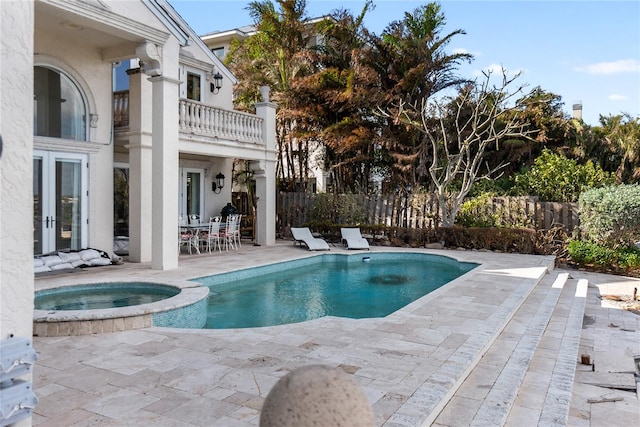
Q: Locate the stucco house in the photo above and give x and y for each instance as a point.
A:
(65, 129)
(173, 129)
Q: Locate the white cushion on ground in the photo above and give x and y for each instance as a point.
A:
(52, 260)
(79, 262)
(70, 257)
(63, 266)
(37, 262)
(88, 254)
(41, 269)
(99, 261)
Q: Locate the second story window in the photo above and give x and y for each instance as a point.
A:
(218, 51)
(193, 86)
(59, 108)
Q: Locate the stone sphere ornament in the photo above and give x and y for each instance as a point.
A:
(316, 395)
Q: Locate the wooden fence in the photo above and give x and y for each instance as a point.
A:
(421, 211)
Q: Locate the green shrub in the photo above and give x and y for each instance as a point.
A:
(629, 258)
(591, 253)
(486, 210)
(579, 251)
(477, 212)
(584, 252)
(553, 177)
(610, 216)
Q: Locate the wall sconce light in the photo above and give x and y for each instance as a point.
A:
(216, 84)
(218, 184)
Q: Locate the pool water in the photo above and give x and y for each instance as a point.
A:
(332, 286)
(102, 295)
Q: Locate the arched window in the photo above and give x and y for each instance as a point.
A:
(59, 108)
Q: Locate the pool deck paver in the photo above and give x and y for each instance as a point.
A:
(409, 364)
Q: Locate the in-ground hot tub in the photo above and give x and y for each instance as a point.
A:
(118, 306)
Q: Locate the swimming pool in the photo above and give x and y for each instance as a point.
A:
(108, 295)
(352, 286)
(119, 305)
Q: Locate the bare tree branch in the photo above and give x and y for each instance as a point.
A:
(459, 131)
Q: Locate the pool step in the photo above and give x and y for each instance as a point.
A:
(554, 363)
(498, 390)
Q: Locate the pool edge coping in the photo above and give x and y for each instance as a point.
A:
(190, 293)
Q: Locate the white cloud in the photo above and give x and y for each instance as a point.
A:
(613, 67)
(616, 97)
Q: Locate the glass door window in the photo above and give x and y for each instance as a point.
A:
(60, 202)
(193, 86)
(121, 201)
(192, 193)
(59, 110)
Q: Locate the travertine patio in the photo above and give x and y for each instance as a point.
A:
(442, 360)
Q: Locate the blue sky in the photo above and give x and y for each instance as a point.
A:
(584, 51)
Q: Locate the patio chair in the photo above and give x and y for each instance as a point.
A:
(303, 235)
(353, 239)
(213, 234)
(231, 232)
(186, 236)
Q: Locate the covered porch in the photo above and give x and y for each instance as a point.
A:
(212, 142)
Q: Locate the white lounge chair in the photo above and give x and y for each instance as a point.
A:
(353, 239)
(303, 235)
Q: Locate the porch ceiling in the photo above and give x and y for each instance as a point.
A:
(85, 25)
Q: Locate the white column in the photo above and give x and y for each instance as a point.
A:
(264, 172)
(164, 215)
(265, 176)
(140, 178)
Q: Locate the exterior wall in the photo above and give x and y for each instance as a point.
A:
(94, 76)
(16, 165)
(213, 202)
(224, 97)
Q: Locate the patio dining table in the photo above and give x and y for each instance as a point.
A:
(196, 230)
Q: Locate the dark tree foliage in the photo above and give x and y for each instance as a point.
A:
(337, 96)
(340, 89)
(278, 55)
(547, 126)
(413, 65)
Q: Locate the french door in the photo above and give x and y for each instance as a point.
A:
(191, 192)
(59, 201)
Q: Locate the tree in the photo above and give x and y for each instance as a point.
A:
(550, 127)
(413, 65)
(554, 177)
(622, 134)
(277, 56)
(338, 97)
(458, 131)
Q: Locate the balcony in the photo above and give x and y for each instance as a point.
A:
(198, 119)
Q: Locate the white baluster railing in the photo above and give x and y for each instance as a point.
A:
(200, 119)
(206, 120)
